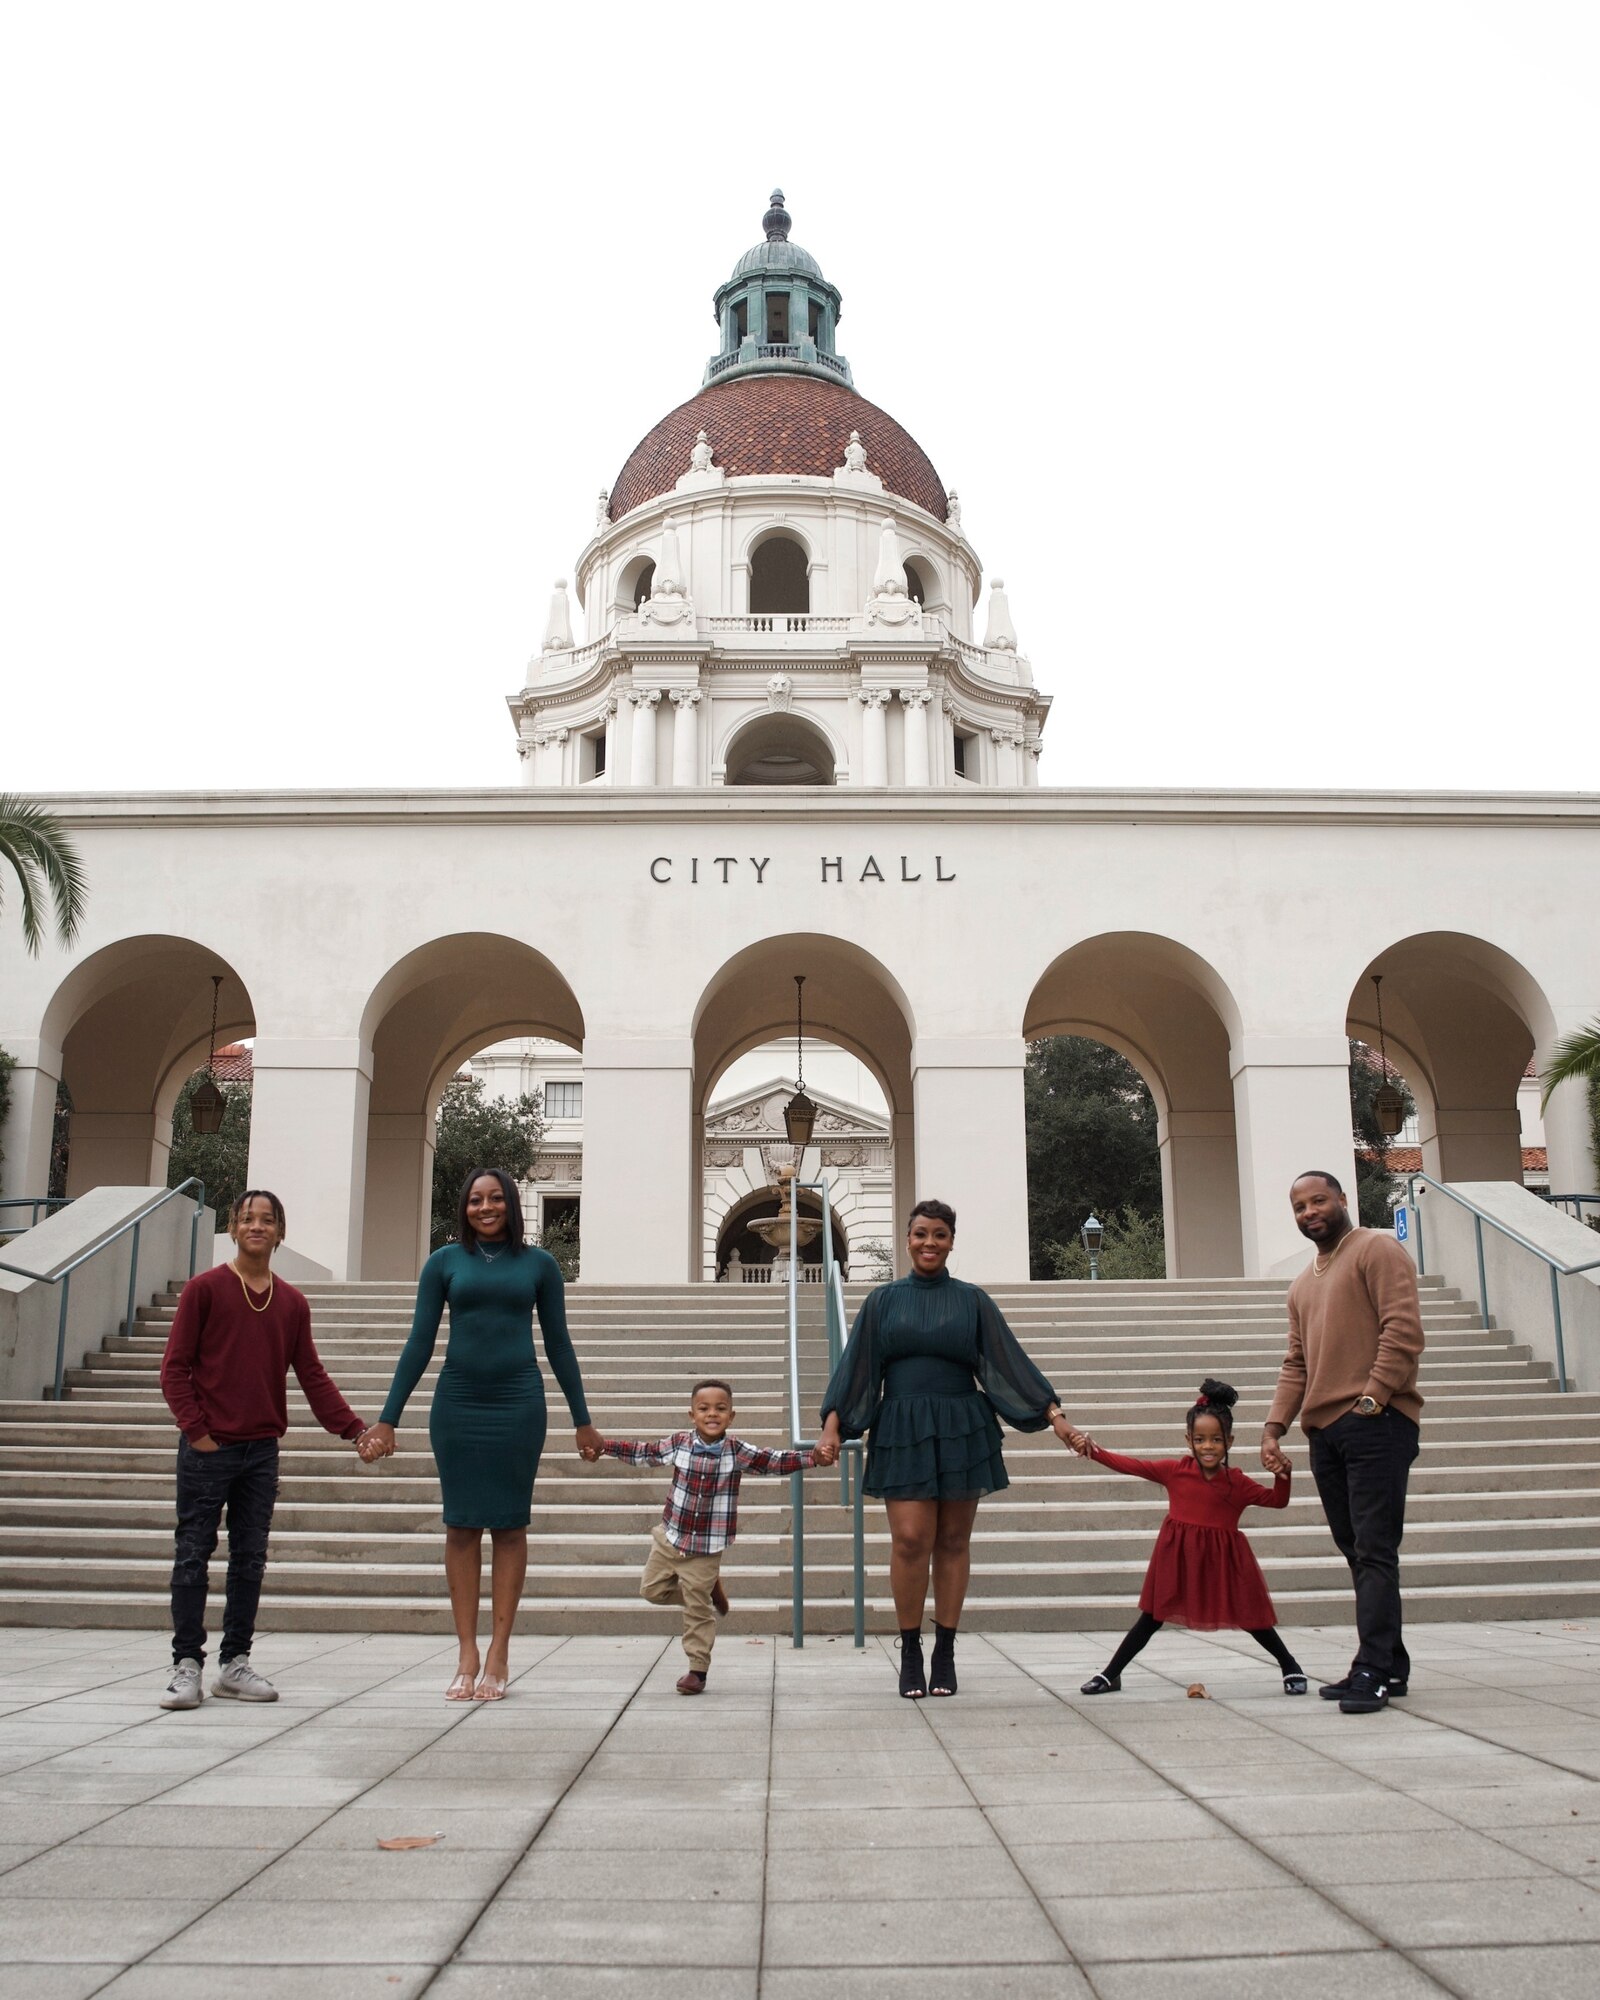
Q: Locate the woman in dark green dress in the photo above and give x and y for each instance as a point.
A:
(487, 1425)
(929, 1364)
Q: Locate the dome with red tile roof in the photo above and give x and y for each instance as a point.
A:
(764, 426)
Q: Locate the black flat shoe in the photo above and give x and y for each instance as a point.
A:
(1101, 1684)
(1294, 1684)
(913, 1675)
(942, 1672)
(1339, 1690)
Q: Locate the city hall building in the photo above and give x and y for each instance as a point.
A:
(798, 736)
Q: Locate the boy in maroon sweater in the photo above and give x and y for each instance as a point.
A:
(238, 1332)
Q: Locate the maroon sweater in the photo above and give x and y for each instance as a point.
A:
(226, 1367)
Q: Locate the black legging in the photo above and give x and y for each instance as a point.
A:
(1145, 1629)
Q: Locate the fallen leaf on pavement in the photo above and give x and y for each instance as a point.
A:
(407, 1841)
(1197, 1691)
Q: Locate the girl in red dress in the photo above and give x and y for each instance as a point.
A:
(1203, 1573)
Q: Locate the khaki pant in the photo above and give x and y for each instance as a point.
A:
(671, 1577)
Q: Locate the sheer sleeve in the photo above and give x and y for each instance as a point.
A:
(550, 1299)
(1015, 1388)
(418, 1350)
(856, 1385)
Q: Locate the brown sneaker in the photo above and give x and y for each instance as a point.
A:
(719, 1599)
(692, 1683)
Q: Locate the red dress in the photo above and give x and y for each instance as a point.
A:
(1203, 1573)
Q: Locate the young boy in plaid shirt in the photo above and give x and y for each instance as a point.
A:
(701, 1516)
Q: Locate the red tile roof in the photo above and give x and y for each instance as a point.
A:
(235, 1064)
(1408, 1159)
(765, 425)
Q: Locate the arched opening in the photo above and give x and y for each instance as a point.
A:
(919, 587)
(133, 1021)
(430, 1014)
(1462, 1021)
(746, 1257)
(1165, 1011)
(779, 749)
(857, 1061)
(635, 583)
(780, 582)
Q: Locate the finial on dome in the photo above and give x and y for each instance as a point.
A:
(776, 220)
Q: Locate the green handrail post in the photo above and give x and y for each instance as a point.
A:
(1555, 1313)
(133, 1282)
(1483, 1276)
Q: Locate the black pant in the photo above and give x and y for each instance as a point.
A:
(243, 1478)
(1361, 1465)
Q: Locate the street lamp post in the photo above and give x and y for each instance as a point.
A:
(1093, 1233)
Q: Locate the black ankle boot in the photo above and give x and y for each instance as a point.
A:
(913, 1677)
(942, 1672)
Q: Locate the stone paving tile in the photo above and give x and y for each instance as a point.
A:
(1375, 1811)
(1375, 1975)
(1573, 1848)
(1052, 1981)
(563, 1932)
(93, 1874)
(58, 1982)
(1459, 1856)
(269, 1982)
(240, 1933)
(639, 1875)
(465, 1827)
(1545, 1910)
(893, 1875)
(956, 1931)
(46, 1928)
(1153, 1866)
(867, 1828)
(1168, 1818)
(203, 1827)
(576, 1826)
(592, 1982)
(1201, 1924)
(1541, 1803)
(1529, 1972)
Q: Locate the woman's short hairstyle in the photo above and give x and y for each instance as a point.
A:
(935, 1211)
(516, 1234)
(259, 1194)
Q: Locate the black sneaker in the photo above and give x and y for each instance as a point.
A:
(1367, 1695)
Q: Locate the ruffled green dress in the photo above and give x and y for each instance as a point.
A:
(929, 1365)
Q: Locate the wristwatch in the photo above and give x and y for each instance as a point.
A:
(1368, 1406)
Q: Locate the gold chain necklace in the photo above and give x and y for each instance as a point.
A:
(250, 1302)
(1318, 1266)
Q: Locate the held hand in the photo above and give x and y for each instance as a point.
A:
(1061, 1424)
(1081, 1443)
(376, 1443)
(827, 1450)
(206, 1443)
(589, 1443)
(1272, 1454)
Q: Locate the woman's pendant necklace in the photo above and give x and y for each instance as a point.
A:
(489, 1256)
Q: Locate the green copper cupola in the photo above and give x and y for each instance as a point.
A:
(777, 314)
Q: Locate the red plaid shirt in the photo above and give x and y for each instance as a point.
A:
(701, 1516)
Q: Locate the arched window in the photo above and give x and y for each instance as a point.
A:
(635, 583)
(779, 581)
(915, 589)
(643, 584)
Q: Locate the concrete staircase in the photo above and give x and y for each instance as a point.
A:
(1504, 1518)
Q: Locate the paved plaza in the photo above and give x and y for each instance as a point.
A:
(800, 1830)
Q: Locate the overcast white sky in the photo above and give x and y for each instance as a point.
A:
(1259, 339)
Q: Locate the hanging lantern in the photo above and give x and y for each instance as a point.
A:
(1388, 1106)
(207, 1104)
(800, 1113)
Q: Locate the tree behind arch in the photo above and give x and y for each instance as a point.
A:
(47, 868)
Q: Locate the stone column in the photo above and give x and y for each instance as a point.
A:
(1291, 1100)
(1005, 772)
(639, 1226)
(645, 703)
(1200, 1194)
(972, 1149)
(915, 702)
(30, 1123)
(399, 1194)
(308, 1142)
(527, 757)
(1471, 1142)
(112, 1149)
(685, 737)
(874, 736)
(1573, 1168)
(1030, 762)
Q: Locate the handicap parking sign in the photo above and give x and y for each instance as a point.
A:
(1402, 1222)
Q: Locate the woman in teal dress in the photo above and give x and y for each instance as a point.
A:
(487, 1425)
(929, 1365)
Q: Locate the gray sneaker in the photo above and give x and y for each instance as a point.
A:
(183, 1690)
(239, 1681)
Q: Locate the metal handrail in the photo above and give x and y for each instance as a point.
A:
(1480, 1216)
(852, 1459)
(1574, 1205)
(63, 1277)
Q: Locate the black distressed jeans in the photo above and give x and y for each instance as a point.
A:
(1361, 1465)
(243, 1480)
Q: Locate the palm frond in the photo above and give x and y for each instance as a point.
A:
(43, 859)
(1576, 1055)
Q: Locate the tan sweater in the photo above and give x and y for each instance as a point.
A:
(1355, 1330)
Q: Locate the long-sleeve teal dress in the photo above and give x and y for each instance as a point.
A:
(929, 1363)
(487, 1426)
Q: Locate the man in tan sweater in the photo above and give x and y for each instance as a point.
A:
(1355, 1337)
